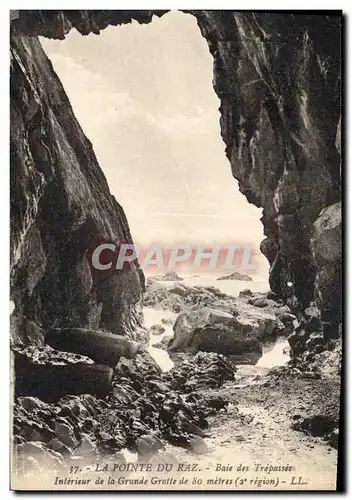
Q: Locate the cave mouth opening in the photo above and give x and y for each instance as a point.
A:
(144, 97)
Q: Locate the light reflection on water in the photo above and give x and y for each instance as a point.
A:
(274, 354)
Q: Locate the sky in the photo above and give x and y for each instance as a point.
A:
(143, 95)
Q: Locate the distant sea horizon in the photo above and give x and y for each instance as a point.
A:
(230, 287)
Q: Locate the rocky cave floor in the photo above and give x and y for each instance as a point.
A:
(204, 410)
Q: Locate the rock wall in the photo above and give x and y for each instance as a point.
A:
(278, 79)
(61, 207)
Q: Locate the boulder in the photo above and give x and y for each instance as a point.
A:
(65, 434)
(25, 331)
(57, 445)
(214, 330)
(317, 425)
(172, 303)
(185, 325)
(164, 343)
(314, 340)
(51, 382)
(197, 445)
(156, 330)
(258, 302)
(103, 347)
(86, 446)
(180, 290)
(154, 294)
(333, 439)
(225, 340)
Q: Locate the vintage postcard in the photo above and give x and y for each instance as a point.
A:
(176, 253)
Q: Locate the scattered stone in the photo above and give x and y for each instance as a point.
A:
(157, 330)
(180, 290)
(204, 370)
(316, 425)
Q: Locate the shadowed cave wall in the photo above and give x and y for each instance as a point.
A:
(278, 80)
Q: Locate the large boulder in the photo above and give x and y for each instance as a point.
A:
(187, 322)
(214, 330)
(157, 330)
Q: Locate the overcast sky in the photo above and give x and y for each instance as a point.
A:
(143, 95)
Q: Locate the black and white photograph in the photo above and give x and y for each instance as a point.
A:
(176, 253)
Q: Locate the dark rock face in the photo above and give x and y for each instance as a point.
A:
(278, 79)
(273, 74)
(61, 209)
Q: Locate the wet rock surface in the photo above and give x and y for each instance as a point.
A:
(61, 210)
(156, 330)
